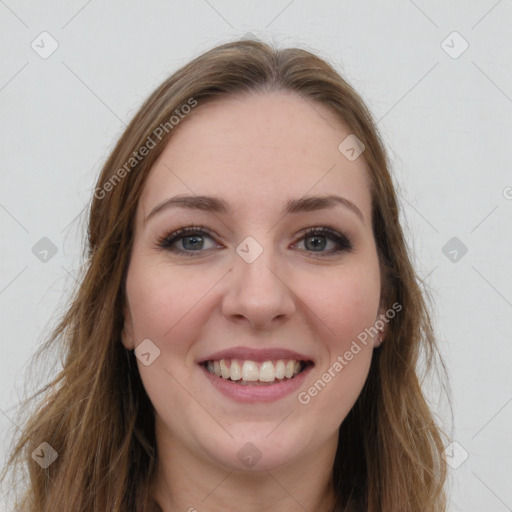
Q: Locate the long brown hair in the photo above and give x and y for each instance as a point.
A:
(95, 413)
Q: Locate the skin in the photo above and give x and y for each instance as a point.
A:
(255, 152)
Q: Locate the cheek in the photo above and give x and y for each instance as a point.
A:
(346, 302)
(162, 303)
(348, 305)
(161, 299)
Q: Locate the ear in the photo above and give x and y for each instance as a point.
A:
(127, 332)
(381, 324)
(378, 340)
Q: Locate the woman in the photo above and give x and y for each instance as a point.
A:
(247, 332)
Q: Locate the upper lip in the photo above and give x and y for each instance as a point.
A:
(254, 354)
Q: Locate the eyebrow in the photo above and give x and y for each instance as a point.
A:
(218, 205)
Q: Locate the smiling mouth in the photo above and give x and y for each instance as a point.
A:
(252, 373)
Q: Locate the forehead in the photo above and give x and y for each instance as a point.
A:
(257, 151)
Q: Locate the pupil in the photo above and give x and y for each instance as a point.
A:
(194, 238)
(315, 245)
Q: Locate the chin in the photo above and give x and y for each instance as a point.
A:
(258, 452)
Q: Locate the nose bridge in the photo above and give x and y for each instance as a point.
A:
(257, 289)
(254, 263)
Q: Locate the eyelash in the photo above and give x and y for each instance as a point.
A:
(166, 241)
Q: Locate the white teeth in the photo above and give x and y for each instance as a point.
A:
(234, 371)
(288, 372)
(280, 369)
(267, 372)
(251, 371)
(224, 369)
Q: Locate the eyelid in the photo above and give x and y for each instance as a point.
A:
(339, 237)
(344, 241)
(164, 242)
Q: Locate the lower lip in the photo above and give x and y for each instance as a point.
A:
(250, 394)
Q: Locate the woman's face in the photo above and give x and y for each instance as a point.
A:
(250, 286)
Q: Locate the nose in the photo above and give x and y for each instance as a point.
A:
(258, 293)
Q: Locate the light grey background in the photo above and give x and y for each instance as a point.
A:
(447, 123)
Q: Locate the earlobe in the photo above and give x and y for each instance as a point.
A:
(127, 340)
(380, 325)
(126, 333)
(380, 338)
